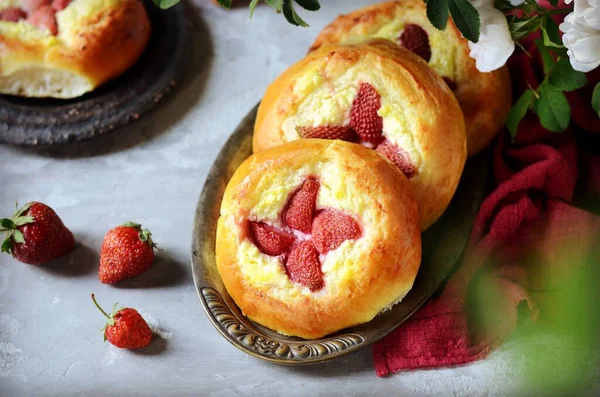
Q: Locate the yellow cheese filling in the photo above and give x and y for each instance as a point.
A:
(443, 50)
(268, 200)
(320, 102)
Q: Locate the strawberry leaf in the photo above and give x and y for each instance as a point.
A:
(18, 237)
(22, 210)
(132, 224)
(7, 245)
(7, 224)
(23, 220)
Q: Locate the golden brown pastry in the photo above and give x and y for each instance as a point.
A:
(65, 48)
(379, 95)
(316, 236)
(485, 98)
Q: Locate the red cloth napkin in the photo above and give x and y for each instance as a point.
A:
(528, 215)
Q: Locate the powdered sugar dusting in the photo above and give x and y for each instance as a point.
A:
(9, 327)
(9, 356)
(154, 325)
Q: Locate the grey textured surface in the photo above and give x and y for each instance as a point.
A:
(152, 172)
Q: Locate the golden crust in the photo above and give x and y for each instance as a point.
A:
(423, 118)
(362, 277)
(100, 47)
(485, 98)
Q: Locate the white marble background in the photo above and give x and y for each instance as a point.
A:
(153, 172)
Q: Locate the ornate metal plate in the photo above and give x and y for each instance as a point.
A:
(443, 244)
(31, 121)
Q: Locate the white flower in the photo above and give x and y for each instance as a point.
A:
(516, 3)
(495, 45)
(581, 36)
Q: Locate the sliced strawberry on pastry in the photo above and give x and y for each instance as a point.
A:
(303, 266)
(415, 39)
(43, 17)
(59, 5)
(12, 14)
(397, 156)
(343, 132)
(331, 228)
(32, 5)
(269, 240)
(364, 118)
(298, 212)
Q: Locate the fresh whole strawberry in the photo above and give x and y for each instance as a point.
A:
(415, 39)
(125, 328)
(127, 251)
(36, 235)
(364, 118)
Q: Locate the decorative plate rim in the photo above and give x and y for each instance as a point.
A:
(266, 344)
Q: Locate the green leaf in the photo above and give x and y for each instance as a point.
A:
(23, 220)
(18, 237)
(437, 12)
(253, 4)
(466, 19)
(552, 108)
(223, 3)
(310, 5)
(554, 3)
(550, 33)
(518, 111)
(165, 4)
(134, 225)
(7, 245)
(22, 210)
(547, 59)
(503, 5)
(521, 27)
(144, 235)
(7, 224)
(596, 99)
(565, 78)
(276, 4)
(290, 14)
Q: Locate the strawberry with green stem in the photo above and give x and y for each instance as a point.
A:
(125, 328)
(127, 251)
(36, 235)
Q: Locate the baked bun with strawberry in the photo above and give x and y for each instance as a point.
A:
(317, 235)
(485, 98)
(65, 48)
(382, 96)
